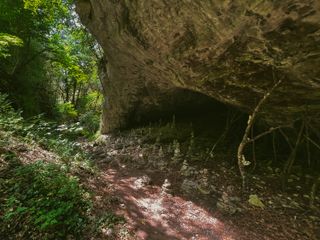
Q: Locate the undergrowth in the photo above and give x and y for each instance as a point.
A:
(41, 200)
(58, 138)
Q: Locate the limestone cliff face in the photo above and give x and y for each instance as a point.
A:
(230, 50)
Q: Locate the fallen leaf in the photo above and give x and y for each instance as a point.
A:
(254, 200)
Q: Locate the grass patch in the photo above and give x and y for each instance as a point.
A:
(42, 202)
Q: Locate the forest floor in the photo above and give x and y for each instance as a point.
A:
(175, 201)
(165, 195)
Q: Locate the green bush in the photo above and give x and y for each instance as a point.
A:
(90, 121)
(67, 111)
(10, 119)
(43, 202)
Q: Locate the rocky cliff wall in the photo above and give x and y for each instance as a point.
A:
(230, 50)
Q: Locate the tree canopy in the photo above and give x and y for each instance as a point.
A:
(48, 61)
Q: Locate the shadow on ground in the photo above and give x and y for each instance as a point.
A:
(153, 214)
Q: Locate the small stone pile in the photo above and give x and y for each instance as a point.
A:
(187, 170)
(166, 187)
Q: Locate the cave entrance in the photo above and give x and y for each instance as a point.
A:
(192, 111)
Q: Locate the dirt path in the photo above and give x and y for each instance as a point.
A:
(153, 214)
(130, 183)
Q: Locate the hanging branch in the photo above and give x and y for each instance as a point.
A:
(245, 140)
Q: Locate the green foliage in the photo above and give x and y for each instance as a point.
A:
(52, 5)
(7, 41)
(40, 200)
(50, 135)
(90, 108)
(10, 119)
(60, 139)
(109, 220)
(57, 64)
(43, 202)
(90, 121)
(67, 111)
(93, 101)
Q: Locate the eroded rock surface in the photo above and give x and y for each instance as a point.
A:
(159, 53)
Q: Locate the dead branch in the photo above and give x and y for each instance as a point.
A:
(312, 141)
(245, 140)
(263, 134)
(274, 147)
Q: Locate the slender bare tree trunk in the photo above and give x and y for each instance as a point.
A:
(242, 163)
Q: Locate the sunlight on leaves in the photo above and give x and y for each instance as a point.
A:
(254, 200)
(6, 41)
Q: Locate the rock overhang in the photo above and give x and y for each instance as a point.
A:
(232, 51)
